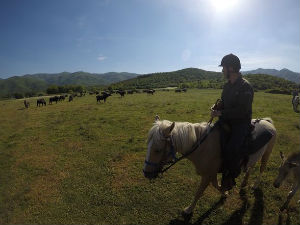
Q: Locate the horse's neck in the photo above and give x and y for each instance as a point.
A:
(184, 141)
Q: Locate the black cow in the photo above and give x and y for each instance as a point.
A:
(26, 104)
(53, 99)
(122, 93)
(103, 97)
(130, 92)
(70, 98)
(40, 101)
(151, 91)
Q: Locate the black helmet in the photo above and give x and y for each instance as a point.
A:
(231, 60)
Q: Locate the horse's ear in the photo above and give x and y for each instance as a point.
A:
(167, 131)
(156, 118)
(282, 155)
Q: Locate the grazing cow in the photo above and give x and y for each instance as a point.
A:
(122, 93)
(104, 93)
(53, 99)
(70, 98)
(177, 90)
(151, 91)
(103, 97)
(288, 166)
(40, 101)
(61, 98)
(26, 104)
(184, 89)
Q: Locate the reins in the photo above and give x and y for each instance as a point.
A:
(195, 146)
(199, 142)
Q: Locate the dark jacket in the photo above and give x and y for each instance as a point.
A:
(237, 101)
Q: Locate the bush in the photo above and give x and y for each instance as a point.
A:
(18, 95)
(279, 91)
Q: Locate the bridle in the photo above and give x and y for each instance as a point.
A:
(173, 153)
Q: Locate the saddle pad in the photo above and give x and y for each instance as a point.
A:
(260, 135)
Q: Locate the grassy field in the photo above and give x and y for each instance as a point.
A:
(81, 163)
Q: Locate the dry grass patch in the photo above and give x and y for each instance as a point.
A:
(124, 170)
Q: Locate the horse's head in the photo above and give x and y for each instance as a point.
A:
(284, 169)
(160, 148)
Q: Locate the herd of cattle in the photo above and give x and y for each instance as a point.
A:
(99, 96)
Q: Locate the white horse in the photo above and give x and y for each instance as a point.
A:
(166, 138)
(289, 165)
(296, 102)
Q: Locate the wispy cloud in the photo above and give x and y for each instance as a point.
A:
(101, 58)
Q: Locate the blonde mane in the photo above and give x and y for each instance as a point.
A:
(184, 135)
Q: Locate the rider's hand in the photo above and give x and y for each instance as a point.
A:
(215, 113)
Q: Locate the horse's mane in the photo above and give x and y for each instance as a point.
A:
(184, 134)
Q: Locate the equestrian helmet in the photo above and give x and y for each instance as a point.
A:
(231, 60)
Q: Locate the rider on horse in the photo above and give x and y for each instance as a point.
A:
(235, 111)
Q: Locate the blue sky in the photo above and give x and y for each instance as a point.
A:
(144, 36)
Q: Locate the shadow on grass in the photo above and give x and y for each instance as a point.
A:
(257, 213)
(288, 219)
(236, 218)
(201, 218)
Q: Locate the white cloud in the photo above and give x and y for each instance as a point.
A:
(101, 58)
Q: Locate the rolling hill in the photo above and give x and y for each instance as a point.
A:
(284, 73)
(197, 78)
(165, 79)
(39, 82)
(188, 78)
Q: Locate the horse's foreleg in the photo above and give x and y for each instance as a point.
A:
(264, 160)
(216, 185)
(246, 177)
(204, 183)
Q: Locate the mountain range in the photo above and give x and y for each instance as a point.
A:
(40, 82)
(284, 73)
(190, 77)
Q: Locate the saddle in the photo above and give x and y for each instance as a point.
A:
(257, 138)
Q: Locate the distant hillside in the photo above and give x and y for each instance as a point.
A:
(197, 78)
(284, 73)
(83, 78)
(22, 85)
(165, 79)
(39, 82)
(269, 82)
(188, 78)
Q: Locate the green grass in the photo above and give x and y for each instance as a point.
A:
(81, 163)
